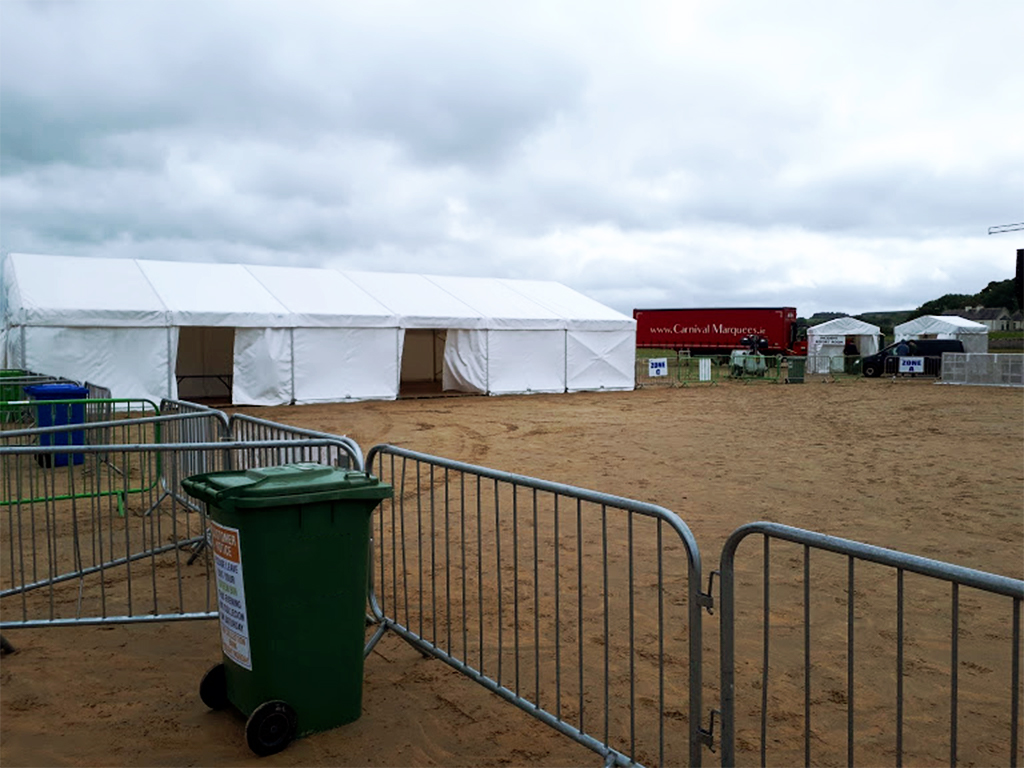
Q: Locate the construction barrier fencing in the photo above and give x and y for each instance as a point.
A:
(15, 408)
(101, 422)
(827, 603)
(682, 370)
(250, 429)
(584, 609)
(99, 545)
(581, 608)
(832, 367)
(985, 369)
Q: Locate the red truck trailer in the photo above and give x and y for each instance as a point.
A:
(719, 331)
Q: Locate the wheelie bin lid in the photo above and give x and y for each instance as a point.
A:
(56, 391)
(302, 483)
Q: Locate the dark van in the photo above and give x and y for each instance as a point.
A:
(888, 360)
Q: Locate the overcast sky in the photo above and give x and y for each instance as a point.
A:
(832, 156)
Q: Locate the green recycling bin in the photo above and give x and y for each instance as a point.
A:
(795, 370)
(291, 550)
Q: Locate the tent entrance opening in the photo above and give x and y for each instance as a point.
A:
(205, 364)
(422, 362)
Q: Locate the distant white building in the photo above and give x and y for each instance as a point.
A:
(995, 319)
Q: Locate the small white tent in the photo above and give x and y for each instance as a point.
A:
(974, 336)
(273, 335)
(826, 342)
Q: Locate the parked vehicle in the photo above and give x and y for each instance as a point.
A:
(719, 331)
(887, 360)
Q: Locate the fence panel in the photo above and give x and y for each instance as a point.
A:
(581, 608)
(14, 407)
(674, 370)
(994, 370)
(248, 428)
(114, 538)
(839, 652)
(832, 367)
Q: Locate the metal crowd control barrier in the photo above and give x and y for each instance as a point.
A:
(581, 608)
(71, 558)
(876, 609)
(832, 367)
(680, 370)
(684, 370)
(14, 407)
(984, 369)
(101, 426)
(249, 428)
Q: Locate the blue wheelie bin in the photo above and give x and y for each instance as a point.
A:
(52, 414)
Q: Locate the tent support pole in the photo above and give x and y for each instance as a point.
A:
(172, 365)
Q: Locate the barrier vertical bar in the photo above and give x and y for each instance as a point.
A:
(899, 668)
(807, 656)
(1015, 684)
(632, 645)
(558, 616)
(497, 570)
(766, 627)
(536, 603)
(604, 582)
(954, 672)
(462, 539)
(849, 662)
(661, 650)
(515, 583)
(579, 600)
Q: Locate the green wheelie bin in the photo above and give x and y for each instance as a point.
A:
(291, 555)
(795, 370)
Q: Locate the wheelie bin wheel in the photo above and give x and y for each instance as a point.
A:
(270, 728)
(213, 689)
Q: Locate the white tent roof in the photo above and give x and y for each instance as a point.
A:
(213, 294)
(65, 290)
(936, 324)
(80, 291)
(844, 326)
(504, 307)
(417, 301)
(323, 298)
(580, 312)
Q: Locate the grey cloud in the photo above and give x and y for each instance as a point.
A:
(461, 138)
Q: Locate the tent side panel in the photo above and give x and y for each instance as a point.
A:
(600, 360)
(262, 366)
(465, 361)
(974, 342)
(522, 362)
(342, 364)
(131, 362)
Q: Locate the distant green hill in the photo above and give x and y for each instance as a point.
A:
(998, 293)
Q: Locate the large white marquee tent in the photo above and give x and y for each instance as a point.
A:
(974, 336)
(274, 335)
(826, 342)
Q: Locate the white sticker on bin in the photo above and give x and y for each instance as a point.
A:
(234, 626)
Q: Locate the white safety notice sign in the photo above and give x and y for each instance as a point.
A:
(657, 366)
(234, 626)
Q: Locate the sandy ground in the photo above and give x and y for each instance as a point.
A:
(933, 470)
